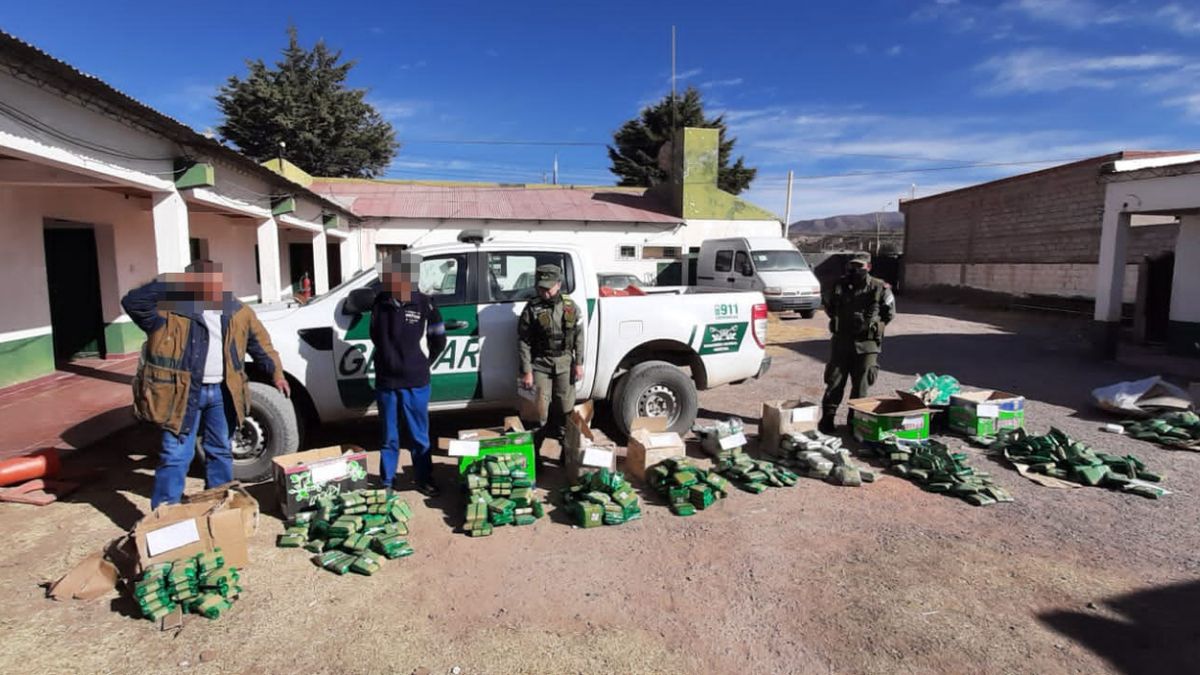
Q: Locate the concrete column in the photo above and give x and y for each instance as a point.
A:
(320, 245)
(268, 261)
(1183, 330)
(170, 231)
(348, 252)
(1110, 280)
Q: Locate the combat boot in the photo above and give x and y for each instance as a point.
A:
(826, 425)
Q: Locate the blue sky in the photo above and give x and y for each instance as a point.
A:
(880, 88)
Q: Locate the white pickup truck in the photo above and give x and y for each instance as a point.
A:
(647, 355)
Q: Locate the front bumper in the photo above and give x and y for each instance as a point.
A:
(792, 303)
(763, 367)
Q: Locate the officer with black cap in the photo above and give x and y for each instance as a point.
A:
(859, 306)
(550, 335)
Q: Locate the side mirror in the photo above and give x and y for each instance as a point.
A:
(360, 300)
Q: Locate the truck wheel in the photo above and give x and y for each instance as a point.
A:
(807, 313)
(655, 389)
(270, 429)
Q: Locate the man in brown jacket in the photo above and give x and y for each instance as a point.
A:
(192, 377)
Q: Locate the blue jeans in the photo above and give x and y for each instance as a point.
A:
(407, 408)
(178, 449)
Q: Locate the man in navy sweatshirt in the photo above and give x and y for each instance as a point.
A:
(401, 318)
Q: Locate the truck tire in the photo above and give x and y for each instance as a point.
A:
(655, 389)
(271, 429)
(807, 313)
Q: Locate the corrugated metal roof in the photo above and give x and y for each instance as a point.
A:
(37, 63)
(385, 199)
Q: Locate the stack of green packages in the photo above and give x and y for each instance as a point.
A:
(601, 497)
(752, 475)
(352, 532)
(819, 456)
(1058, 455)
(201, 584)
(936, 389)
(686, 486)
(500, 492)
(1179, 430)
(931, 465)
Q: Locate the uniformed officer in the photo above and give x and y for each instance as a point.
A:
(859, 306)
(550, 337)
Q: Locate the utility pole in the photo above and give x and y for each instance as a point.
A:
(787, 209)
(556, 168)
(672, 84)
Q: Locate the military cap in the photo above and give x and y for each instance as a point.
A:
(548, 275)
(859, 259)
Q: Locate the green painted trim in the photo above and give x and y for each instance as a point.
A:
(123, 337)
(692, 190)
(25, 359)
(191, 174)
(282, 205)
(1183, 338)
(289, 171)
(331, 220)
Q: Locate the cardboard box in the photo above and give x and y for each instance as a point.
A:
(904, 416)
(649, 444)
(586, 449)
(472, 445)
(175, 531)
(780, 418)
(986, 413)
(303, 478)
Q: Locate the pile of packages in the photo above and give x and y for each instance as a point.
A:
(686, 486)
(352, 532)
(820, 456)
(936, 389)
(201, 584)
(500, 492)
(753, 475)
(931, 465)
(601, 497)
(1059, 456)
(1179, 429)
(721, 436)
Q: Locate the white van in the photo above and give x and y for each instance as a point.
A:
(770, 265)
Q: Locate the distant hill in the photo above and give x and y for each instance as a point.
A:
(889, 221)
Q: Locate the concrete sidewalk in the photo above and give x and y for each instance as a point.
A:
(81, 403)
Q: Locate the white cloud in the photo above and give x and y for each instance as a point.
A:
(414, 66)
(1070, 13)
(859, 48)
(731, 82)
(1044, 70)
(687, 74)
(392, 109)
(895, 50)
(1179, 18)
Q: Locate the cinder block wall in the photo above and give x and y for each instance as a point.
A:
(1037, 233)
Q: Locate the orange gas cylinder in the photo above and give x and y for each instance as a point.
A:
(38, 464)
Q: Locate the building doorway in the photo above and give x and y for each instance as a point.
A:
(300, 257)
(333, 256)
(1160, 277)
(73, 281)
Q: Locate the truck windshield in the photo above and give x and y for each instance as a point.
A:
(779, 261)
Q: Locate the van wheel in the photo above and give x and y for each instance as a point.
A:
(271, 429)
(655, 389)
(807, 313)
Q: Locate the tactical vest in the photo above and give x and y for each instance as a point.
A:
(553, 337)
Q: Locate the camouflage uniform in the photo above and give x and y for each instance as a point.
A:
(858, 310)
(550, 337)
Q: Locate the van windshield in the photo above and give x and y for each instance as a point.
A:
(779, 261)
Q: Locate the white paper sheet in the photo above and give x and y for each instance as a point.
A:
(464, 448)
(987, 410)
(806, 414)
(664, 440)
(914, 422)
(331, 470)
(172, 537)
(597, 457)
(735, 441)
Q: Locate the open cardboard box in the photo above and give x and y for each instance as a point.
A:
(475, 444)
(223, 518)
(904, 416)
(303, 478)
(586, 449)
(649, 444)
(780, 418)
(986, 413)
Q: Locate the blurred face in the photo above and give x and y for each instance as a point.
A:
(196, 286)
(857, 269)
(547, 293)
(400, 276)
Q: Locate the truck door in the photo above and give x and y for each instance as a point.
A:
(447, 279)
(742, 274)
(509, 282)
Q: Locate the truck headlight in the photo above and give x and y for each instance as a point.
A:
(772, 290)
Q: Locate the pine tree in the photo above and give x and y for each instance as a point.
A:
(303, 101)
(638, 142)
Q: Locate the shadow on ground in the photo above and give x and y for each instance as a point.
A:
(1157, 629)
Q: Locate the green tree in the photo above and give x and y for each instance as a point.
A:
(303, 101)
(638, 142)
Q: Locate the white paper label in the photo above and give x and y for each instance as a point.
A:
(325, 472)
(987, 410)
(806, 414)
(464, 448)
(915, 422)
(172, 537)
(597, 457)
(735, 441)
(664, 440)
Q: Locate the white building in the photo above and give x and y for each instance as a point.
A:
(99, 193)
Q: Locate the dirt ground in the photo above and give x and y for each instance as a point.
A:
(879, 579)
